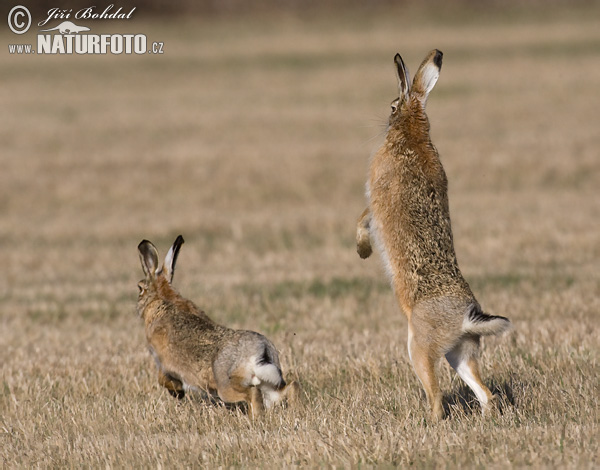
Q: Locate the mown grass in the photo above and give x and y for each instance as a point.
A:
(251, 138)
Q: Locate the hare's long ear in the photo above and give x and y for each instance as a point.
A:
(171, 258)
(427, 76)
(149, 259)
(403, 78)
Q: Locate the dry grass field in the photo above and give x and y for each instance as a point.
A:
(252, 139)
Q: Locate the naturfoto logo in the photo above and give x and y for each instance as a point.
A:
(69, 37)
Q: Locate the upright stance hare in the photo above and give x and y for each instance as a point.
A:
(408, 219)
(192, 351)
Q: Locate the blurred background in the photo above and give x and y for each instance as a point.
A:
(251, 135)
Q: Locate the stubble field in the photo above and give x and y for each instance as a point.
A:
(252, 139)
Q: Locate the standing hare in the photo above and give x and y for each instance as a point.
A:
(409, 221)
(193, 352)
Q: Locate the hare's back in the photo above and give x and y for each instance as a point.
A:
(189, 336)
(409, 202)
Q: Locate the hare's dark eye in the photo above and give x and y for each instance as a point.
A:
(394, 108)
(141, 287)
(395, 104)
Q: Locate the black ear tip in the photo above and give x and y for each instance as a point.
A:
(179, 240)
(398, 59)
(142, 243)
(437, 59)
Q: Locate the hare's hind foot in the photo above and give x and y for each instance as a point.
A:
(256, 405)
(260, 400)
(464, 359)
(492, 408)
(293, 393)
(179, 394)
(290, 394)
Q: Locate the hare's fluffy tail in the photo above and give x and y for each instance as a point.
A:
(266, 369)
(479, 323)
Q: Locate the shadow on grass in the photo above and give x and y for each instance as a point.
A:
(207, 400)
(464, 401)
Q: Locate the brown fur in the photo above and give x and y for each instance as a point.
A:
(193, 351)
(409, 218)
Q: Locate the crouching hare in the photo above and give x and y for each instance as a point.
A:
(193, 352)
(408, 220)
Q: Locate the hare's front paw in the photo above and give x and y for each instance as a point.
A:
(363, 243)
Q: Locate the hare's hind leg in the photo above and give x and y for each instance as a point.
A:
(363, 237)
(464, 359)
(293, 393)
(255, 401)
(172, 384)
(424, 357)
(235, 389)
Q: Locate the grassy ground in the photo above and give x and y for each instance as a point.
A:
(252, 140)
